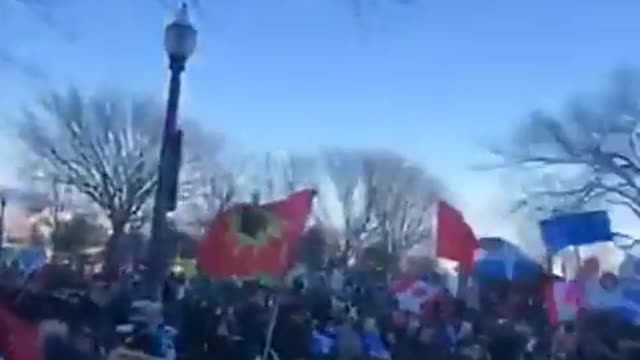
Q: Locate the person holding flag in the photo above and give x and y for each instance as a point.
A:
(252, 241)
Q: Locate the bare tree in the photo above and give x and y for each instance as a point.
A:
(384, 197)
(212, 194)
(273, 175)
(588, 154)
(220, 193)
(103, 146)
(207, 185)
(345, 168)
(299, 172)
(270, 190)
(543, 196)
(401, 196)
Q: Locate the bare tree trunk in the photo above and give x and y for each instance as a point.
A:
(113, 257)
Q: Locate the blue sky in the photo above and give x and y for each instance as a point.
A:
(433, 81)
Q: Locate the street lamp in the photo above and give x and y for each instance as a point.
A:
(179, 41)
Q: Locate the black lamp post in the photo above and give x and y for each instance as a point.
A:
(179, 41)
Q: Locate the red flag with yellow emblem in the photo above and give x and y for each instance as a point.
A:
(250, 240)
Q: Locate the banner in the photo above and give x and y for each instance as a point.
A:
(576, 229)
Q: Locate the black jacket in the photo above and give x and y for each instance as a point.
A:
(291, 337)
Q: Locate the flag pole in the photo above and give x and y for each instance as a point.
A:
(549, 261)
(576, 253)
(271, 327)
(276, 302)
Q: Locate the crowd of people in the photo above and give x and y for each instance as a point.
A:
(200, 319)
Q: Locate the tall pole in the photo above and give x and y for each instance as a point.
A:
(162, 246)
(179, 41)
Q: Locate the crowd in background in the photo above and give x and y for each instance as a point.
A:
(201, 319)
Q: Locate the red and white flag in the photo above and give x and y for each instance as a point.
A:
(413, 293)
(454, 237)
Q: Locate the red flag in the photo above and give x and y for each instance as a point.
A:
(455, 239)
(19, 339)
(249, 240)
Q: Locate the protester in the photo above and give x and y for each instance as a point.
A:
(253, 321)
(314, 321)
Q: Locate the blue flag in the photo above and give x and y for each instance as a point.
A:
(576, 229)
